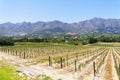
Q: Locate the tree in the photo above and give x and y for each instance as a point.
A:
(93, 40)
(6, 41)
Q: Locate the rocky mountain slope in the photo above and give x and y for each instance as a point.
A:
(95, 25)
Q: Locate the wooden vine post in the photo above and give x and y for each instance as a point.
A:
(24, 55)
(61, 62)
(67, 59)
(49, 61)
(16, 53)
(94, 68)
(75, 66)
(119, 70)
(13, 52)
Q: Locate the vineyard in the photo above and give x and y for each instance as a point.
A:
(64, 62)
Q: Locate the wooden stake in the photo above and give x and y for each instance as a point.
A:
(75, 66)
(67, 59)
(119, 69)
(61, 62)
(49, 61)
(16, 53)
(24, 55)
(94, 68)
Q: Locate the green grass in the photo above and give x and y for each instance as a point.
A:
(9, 73)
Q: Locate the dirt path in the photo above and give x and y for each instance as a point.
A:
(38, 69)
(108, 72)
(55, 74)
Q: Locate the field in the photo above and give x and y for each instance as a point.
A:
(53, 61)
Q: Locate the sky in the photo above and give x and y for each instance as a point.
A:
(63, 10)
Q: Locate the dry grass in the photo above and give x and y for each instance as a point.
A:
(108, 68)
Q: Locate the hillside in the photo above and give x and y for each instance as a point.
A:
(95, 25)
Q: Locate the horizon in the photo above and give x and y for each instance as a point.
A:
(60, 21)
(64, 11)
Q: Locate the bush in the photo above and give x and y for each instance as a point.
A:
(75, 43)
(85, 42)
(92, 40)
(6, 41)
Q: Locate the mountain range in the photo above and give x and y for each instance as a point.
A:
(92, 25)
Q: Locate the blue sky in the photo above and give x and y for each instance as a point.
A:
(63, 10)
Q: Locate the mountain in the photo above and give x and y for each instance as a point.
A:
(53, 27)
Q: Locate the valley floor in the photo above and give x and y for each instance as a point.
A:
(106, 71)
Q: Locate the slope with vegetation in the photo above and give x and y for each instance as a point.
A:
(57, 27)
